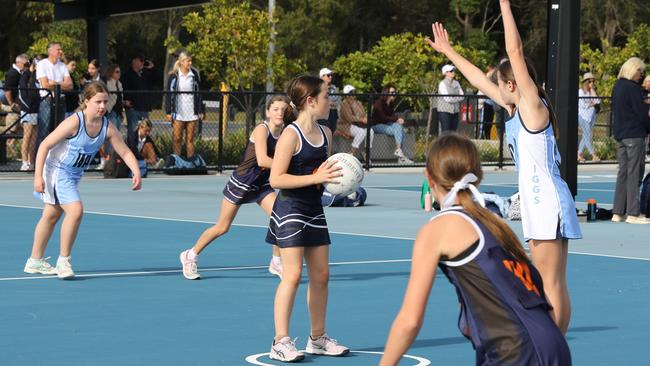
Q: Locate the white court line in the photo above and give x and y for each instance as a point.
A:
(333, 232)
(253, 359)
(146, 273)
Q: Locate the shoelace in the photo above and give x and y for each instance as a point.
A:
(193, 267)
(44, 262)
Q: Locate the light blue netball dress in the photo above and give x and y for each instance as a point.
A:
(547, 207)
(66, 161)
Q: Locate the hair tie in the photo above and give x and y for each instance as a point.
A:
(464, 183)
(292, 105)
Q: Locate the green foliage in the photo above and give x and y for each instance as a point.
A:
(404, 60)
(230, 44)
(71, 35)
(606, 64)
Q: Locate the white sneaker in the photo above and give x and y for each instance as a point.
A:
(404, 160)
(41, 266)
(64, 268)
(618, 218)
(324, 345)
(285, 350)
(190, 269)
(399, 153)
(637, 220)
(275, 268)
(159, 164)
(25, 166)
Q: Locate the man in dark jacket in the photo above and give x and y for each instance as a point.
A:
(138, 81)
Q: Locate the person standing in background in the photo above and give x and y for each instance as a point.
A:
(631, 128)
(449, 106)
(51, 72)
(138, 80)
(587, 103)
(335, 100)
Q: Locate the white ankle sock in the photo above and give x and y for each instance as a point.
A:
(191, 255)
(276, 259)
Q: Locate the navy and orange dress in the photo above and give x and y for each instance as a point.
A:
(298, 219)
(504, 312)
(250, 182)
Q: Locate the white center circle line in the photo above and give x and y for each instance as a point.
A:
(253, 359)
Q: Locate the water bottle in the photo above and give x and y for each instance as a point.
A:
(591, 209)
(427, 202)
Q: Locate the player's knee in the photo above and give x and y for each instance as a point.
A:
(291, 278)
(320, 277)
(220, 229)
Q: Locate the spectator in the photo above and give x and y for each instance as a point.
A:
(143, 146)
(72, 97)
(354, 120)
(93, 73)
(29, 100)
(335, 100)
(587, 115)
(183, 104)
(51, 72)
(448, 107)
(138, 80)
(487, 110)
(385, 121)
(12, 80)
(499, 112)
(631, 126)
(115, 107)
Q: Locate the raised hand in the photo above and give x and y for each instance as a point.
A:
(440, 41)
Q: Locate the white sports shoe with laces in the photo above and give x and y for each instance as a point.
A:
(41, 266)
(324, 345)
(285, 350)
(190, 269)
(64, 268)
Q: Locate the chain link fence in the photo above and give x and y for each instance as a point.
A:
(217, 125)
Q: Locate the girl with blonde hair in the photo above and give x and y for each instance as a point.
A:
(183, 104)
(60, 163)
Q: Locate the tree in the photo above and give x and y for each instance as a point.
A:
(405, 61)
(230, 44)
(606, 64)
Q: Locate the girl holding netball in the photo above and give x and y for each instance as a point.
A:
(297, 222)
(503, 309)
(248, 183)
(60, 163)
(547, 207)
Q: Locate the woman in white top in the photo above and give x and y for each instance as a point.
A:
(183, 105)
(448, 107)
(587, 115)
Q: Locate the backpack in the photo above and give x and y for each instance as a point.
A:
(115, 167)
(354, 199)
(645, 196)
(178, 165)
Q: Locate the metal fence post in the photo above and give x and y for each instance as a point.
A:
(500, 132)
(368, 129)
(220, 136)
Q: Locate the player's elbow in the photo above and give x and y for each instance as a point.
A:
(515, 51)
(409, 323)
(274, 181)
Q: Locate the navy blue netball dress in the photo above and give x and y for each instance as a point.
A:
(250, 182)
(504, 312)
(298, 219)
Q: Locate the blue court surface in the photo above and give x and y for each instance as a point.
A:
(130, 305)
